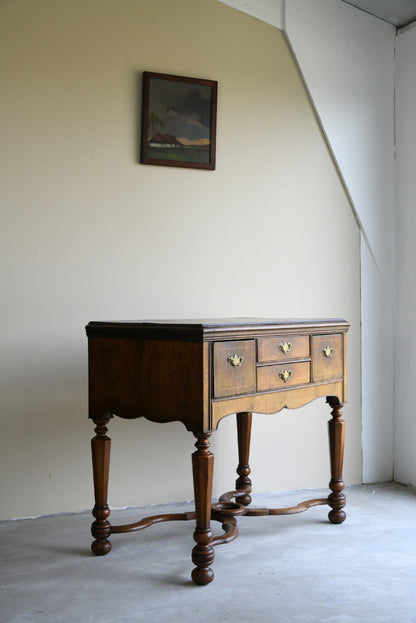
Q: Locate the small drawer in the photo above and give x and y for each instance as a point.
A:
(283, 375)
(327, 357)
(234, 368)
(283, 348)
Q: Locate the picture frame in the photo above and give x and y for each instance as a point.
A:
(179, 118)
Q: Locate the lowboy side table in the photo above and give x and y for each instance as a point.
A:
(198, 372)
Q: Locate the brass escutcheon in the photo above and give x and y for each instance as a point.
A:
(285, 347)
(285, 375)
(235, 360)
(328, 351)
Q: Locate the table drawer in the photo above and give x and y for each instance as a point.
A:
(327, 357)
(283, 348)
(283, 375)
(234, 368)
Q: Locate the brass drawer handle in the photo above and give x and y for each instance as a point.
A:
(285, 375)
(328, 351)
(285, 347)
(235, 360)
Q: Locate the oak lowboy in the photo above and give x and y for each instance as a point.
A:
(198, 372)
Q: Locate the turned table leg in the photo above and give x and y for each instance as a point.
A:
(243, 469)
(202, 468)
(336, 431)
(100, 448)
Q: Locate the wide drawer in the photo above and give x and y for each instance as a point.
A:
(283, 375)
(327, 357)
(234, 368)
(283, 348)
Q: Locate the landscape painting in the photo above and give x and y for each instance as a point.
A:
(178, 121)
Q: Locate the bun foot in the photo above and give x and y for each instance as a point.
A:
(100, 548)
(202, 576)
(203, 557)
(336, 516)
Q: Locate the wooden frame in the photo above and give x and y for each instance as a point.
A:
(179, 118)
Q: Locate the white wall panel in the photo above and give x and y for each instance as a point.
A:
(347, 60)
(270, 11)
(405, 421)
(377, 345)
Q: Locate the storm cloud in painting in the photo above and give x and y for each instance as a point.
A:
(180, 110)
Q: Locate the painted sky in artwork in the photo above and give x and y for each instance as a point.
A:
(180, 109)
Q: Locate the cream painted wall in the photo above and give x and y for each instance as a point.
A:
(88, 233)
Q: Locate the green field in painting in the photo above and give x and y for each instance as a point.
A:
(180, 154)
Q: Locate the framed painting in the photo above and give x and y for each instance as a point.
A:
(179, 118)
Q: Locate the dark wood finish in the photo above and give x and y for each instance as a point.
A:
(172, 379)
(131, 377)
(202, 468)
(100, 448)
(243, 481)
(198, 373)
(336, 430)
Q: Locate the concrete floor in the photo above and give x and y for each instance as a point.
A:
(280, 569)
